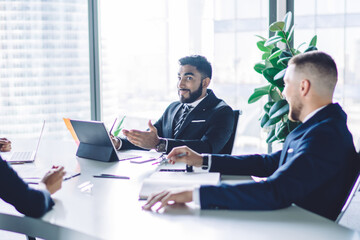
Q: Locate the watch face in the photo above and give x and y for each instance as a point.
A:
(161, 146)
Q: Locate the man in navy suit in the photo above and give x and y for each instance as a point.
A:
(316, 167)
(29, 201)
(199, 120)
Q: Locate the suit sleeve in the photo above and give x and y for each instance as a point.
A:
(290, 183)
(215, 137)
(13, 190)
(257, 165)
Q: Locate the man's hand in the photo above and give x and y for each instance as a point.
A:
(53, 179)
(5, 145)
(145, 139)
(168, 197)
(115, 141)
(191, 158)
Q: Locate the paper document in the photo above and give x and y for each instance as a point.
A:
(159, 181)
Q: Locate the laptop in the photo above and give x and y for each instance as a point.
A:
(95, 142)
(23, 157)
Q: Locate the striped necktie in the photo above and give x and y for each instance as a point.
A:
(186, 110)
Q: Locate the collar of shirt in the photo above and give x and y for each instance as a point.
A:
(194, 104)
(310, 115)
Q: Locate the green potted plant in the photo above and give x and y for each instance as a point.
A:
(273, 66)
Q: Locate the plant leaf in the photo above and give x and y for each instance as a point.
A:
(268, 105)
(284, 60)
(285, 54)
(288, 20)
(265, 55)
(261, 47)
(313, 41)
(279, 112)
(291, 33)
(258, 93)
(277, 26)
(311, 48)
(274, 94)
(272, 40)
(281, 130)
(271, 136)
(275, 54)
(270, 73)
(278, 105)
(259, 67)
(264, 119)
(272, 121)
(281, 34)
(280, 75)
(262, 38)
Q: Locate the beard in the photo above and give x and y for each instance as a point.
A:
(295, 111)
(193, 96)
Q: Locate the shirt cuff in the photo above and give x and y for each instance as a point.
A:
(196, 196)
(200, 169)
(120, 145)
(166, 145)
(209, 162)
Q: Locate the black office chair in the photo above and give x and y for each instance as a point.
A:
(227, 149)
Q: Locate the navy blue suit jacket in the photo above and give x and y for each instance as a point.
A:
(315, 170)
(14, 190)
(206, 129)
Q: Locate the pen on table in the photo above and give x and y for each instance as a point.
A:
(112, 126)
(164, 160)
(71, 176)
(110, 176)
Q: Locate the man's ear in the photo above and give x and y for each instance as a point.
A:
(305, 86)
(206, 82)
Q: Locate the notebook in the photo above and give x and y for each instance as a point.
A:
(160, 181)
(24, 157)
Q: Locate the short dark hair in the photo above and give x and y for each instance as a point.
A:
(201, 64)
(318, 63)
(322, 61)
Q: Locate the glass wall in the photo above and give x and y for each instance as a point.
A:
(337, 24)
(141, 42)
(44, 66)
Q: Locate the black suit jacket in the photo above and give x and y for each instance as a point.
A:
(14, 190)
(206, 129)
(315, 170)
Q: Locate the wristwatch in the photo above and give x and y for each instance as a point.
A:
(161, 146)
(205, 164)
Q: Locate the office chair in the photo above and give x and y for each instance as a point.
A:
(354, 190)
(227, 149)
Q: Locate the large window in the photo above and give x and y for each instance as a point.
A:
(337, 24)
(141, 42)
(44, 58)
(44, 66)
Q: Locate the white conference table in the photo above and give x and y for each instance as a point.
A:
(111, 209)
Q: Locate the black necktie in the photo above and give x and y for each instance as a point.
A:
(182, 118)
